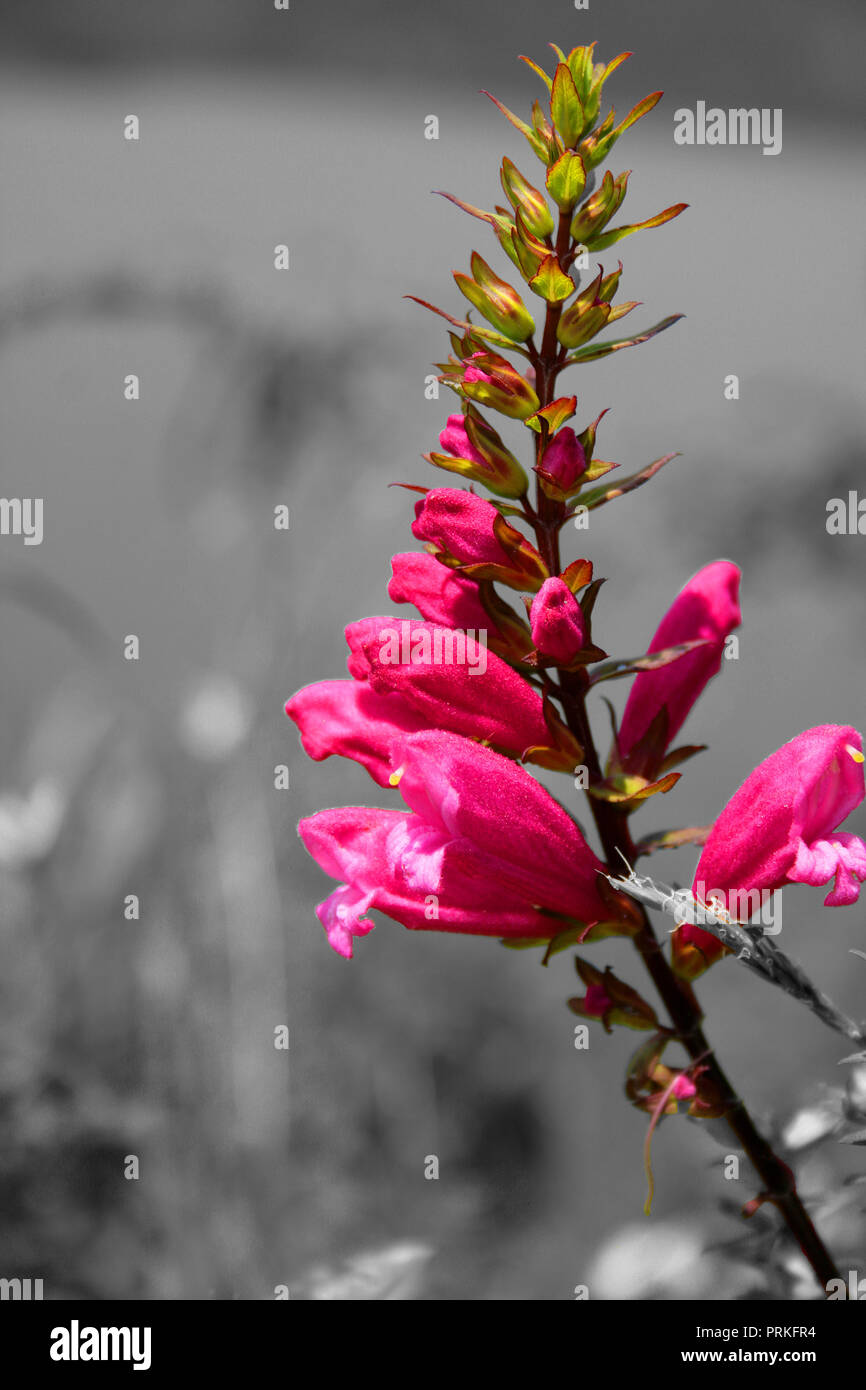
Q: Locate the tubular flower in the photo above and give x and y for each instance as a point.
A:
(483, 849)
(470, 532)
(781, 827)
(707, 607)
(440, 595)
(411, 675)
(450, 679)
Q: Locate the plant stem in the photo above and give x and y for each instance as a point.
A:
(611, 821)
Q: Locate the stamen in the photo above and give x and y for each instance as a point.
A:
(394, 779)
(855, 753)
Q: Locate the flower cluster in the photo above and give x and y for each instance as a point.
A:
(479, 845)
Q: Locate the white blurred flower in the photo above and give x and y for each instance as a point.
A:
(215, 719)
(811, 1124)
(30, 824)
(667, 1260)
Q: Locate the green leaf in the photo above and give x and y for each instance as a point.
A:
(566, 109)
(674, 839)
(651, 661)
(598, 496)
(535, 141)
(536, 69)
(590, 354)
(566, 181)
(488, 334)
(554, 414)
(551, 282)
(605, 239)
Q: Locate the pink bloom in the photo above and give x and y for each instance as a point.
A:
(558, 626)
(440, 595)
(456, 441)
(706, 608)
(349, 718)
(484, 849)
(780, 827)
(470, 530)
(461, 524)
(564, 461)
(449, 680)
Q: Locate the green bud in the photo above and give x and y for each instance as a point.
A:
(528, 200)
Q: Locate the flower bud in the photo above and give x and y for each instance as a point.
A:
(562, 465)
(498, 301)
(557, 622)
(469, 532)
(491, 380)
(521, 194)
(475, 449)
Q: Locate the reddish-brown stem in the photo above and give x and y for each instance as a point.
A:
(778, 1183)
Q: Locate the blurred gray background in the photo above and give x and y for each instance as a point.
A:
(155, 1038)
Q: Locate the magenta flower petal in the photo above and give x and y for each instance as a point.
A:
(461, 524)
(708, 607)
(440, 595)
(455, 440)
(481, 799)
(779, 828)
(348, 718)
(400, 864)
(449, 679)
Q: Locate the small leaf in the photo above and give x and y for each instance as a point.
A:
(652, 661)
(674, 839)
(554, 414)
(566, 109)
(597, 350)
(551, 282)
(566, 181)
(577, 575)
(540, 71)
(605, 239)
(600, 495)
(489, 334)
(535, 141)
(622, 788)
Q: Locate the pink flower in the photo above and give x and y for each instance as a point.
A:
(706, 608)
(461, 524)
(471, 531)
(449, 679)
(440, 595)
(349, 718)
(483, 849)
(780, 827)
(563, 461)
(557, 621)
(456, 441)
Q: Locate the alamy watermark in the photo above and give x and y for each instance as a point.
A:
(736, 126)
(22, 516)
(439, 646)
